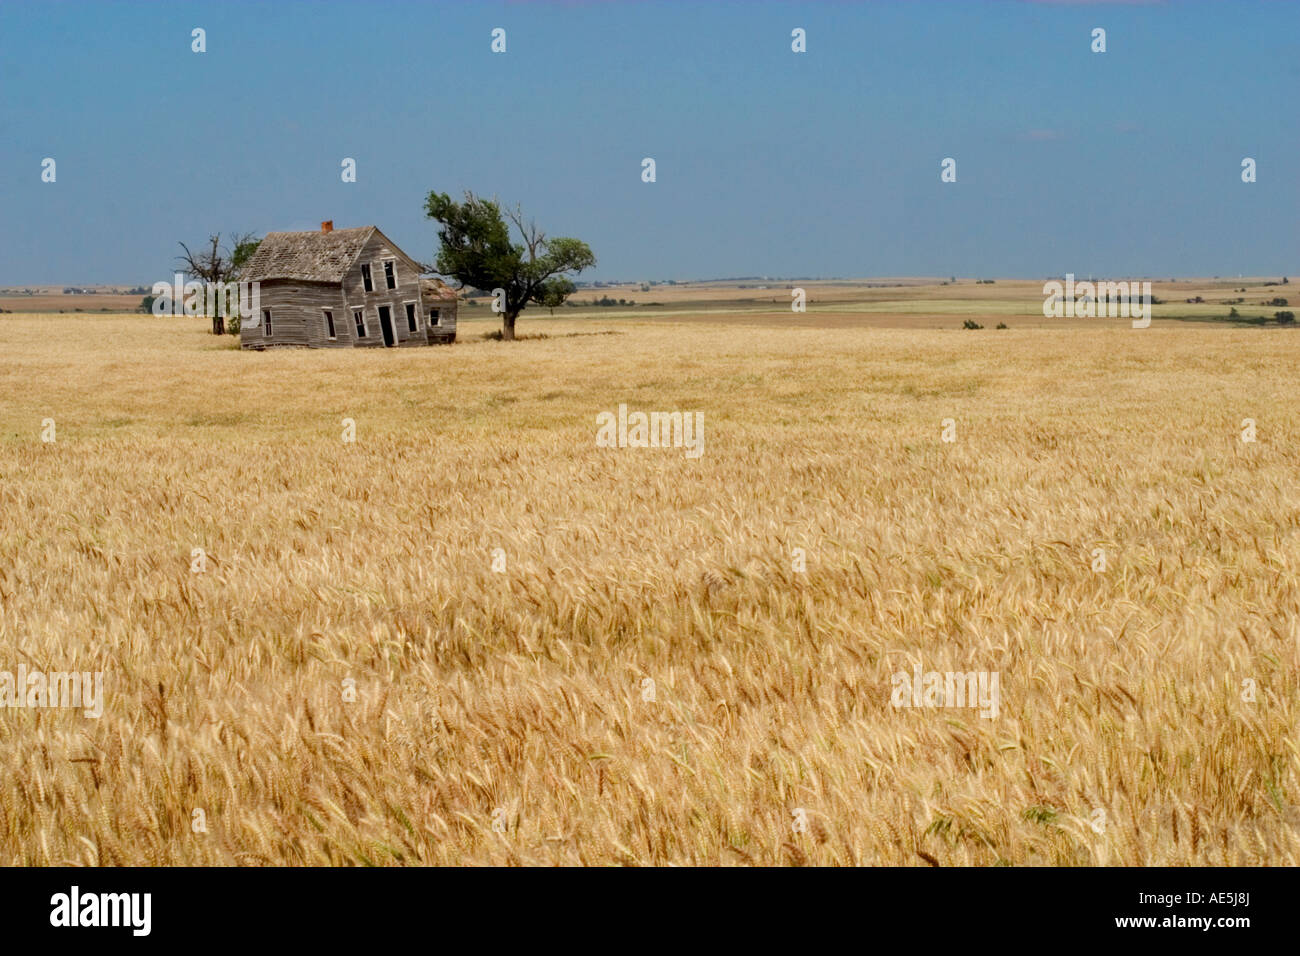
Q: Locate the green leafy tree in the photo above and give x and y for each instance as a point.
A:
(477, 250)
(245, 246)
(554, 292)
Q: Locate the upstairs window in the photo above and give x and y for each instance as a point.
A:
(359, 318)
(329, 324)
(433, 317)
(366, 281)
(411, 322)
(266, 323)
(390, 275)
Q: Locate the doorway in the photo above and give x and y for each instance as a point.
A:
(386, 325)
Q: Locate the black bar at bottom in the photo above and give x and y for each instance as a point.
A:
(333, 907)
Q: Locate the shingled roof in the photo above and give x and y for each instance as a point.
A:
(307, 256)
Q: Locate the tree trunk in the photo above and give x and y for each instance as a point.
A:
(508, 325)
(218, 323)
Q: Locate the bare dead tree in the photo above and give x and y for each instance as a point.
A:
(218, 266)
(534, 238)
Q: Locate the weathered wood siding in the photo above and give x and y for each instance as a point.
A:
(317, 297)
(445, 331)
(407, 274)
(297, 315)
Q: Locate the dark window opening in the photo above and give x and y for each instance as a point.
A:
(390, 277)
(365, 277)
(329, 324)
(411, 322)
(359, 318)
(266, 323)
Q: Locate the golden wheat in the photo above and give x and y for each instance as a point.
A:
(518, 701)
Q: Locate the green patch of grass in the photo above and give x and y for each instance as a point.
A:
(1221, 319)
(1041, 814)
(214, 418)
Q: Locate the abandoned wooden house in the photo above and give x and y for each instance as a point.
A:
(343, 288)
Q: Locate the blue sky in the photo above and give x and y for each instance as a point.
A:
(769, 162)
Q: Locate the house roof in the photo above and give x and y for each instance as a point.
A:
(436, 289)
(307, 256)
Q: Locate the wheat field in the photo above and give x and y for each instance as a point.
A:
(646, 677)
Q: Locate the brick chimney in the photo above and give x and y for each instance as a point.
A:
(327, 225)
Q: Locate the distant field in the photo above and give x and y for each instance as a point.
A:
(1148, 710)
(909, 303)
(57, 302)
(881, 303)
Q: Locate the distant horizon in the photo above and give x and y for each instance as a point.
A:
(103, 287)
